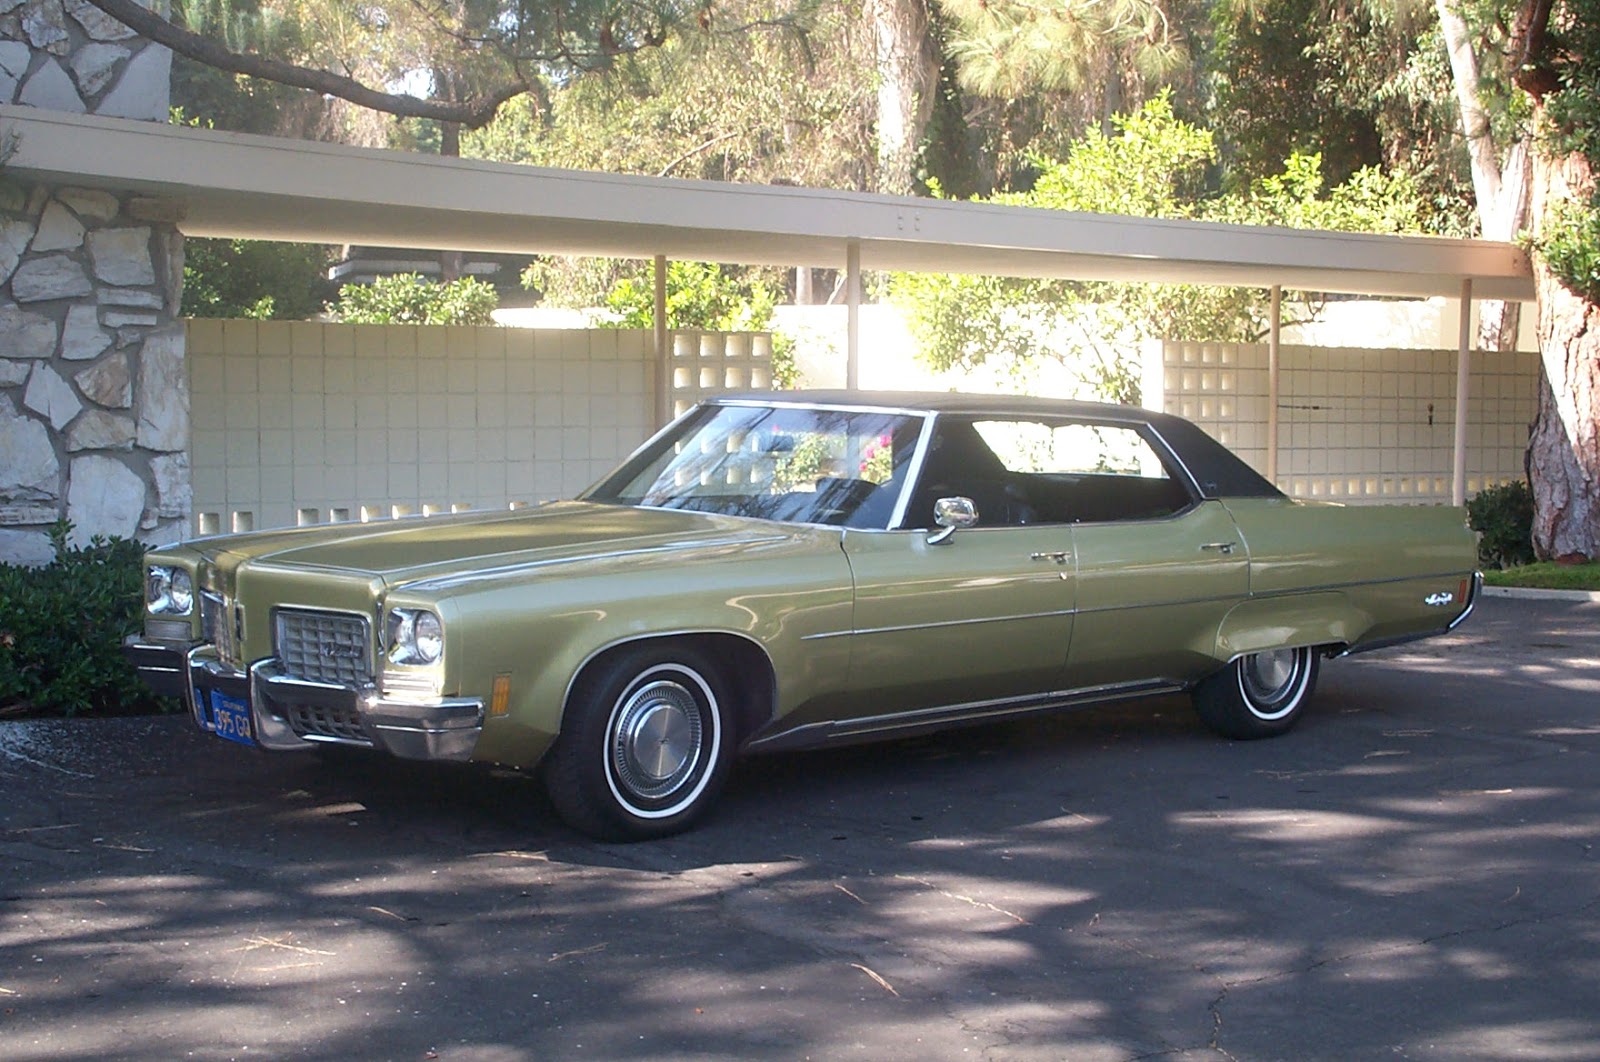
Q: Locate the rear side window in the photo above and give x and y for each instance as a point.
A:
(1026, 470)
(1031, 446)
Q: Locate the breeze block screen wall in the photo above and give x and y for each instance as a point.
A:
(1354, 425)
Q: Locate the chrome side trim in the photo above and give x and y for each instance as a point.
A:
(942, 623)
(913, 471)
(1195, 493)
(905, 724)
(1474, 591)
(1324, 587)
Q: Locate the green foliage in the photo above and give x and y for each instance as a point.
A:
(1363, 84)
(1569, 233)
(772, 93)
(1008, 48)
(706, 296)
(1569, 240)
(407, 298)
(1547, 575)
(1155, 166)
(253, 278)
(61, 631)
(1575, 110)
(1503, 518)
(699, 295)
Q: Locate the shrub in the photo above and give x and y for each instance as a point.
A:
(1503, 518)
(61, 631)
(407, 298)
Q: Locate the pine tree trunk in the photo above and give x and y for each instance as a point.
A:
(907, 73)
(1564, 451)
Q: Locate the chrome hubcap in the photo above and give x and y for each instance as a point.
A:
(1269, 681)
(656, 744)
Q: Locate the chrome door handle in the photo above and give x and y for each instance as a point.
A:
(1059, 557)
(1220, 547)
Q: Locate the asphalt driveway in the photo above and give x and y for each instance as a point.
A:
(1410, 874)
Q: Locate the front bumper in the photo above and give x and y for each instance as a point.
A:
(294, 713)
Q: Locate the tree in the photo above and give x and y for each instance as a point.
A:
(474, 55)
(907, 65)
(759, 107)
(252, 278)
(1498, 157)
(1155, 166)
(1554, 46)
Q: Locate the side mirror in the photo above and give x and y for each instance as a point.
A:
(952, 514)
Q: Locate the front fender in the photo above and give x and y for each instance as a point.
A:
(540, 632)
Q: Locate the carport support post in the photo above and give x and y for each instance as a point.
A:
(1458, 478)
(852, 353)
(1274, 333)
(663, 350)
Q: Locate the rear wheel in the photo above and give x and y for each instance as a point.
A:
(644, 744)
(1258, 695)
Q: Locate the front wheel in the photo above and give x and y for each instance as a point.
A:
(1258, 695)
(644, 745)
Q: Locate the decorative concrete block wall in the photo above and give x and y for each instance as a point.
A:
(68, 55)
(94, 409)
(305, 423)
(301, 423)
(1354, 425)
(713, 363)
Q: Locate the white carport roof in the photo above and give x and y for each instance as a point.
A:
(269, 188)
(230, 184)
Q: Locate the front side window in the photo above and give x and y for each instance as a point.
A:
(796, 464)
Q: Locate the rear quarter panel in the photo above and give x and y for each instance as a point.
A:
(1348, 575)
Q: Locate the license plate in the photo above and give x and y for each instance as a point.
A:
(230, 718)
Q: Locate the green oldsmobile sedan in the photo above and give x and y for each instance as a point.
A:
(788, 570)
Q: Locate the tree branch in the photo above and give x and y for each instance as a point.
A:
(473, 113)
(1529, 49)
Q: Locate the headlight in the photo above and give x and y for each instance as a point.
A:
(168, 591)
(415, 636)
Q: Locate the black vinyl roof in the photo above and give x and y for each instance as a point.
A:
(1216, 470)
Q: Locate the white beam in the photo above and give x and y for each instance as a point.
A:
(1274, 335)
(852, 356)
(239, 185)
(1458, 478)
(663, 344)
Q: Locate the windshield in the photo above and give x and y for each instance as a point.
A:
(801, 465)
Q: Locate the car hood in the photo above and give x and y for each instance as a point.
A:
(409, 550)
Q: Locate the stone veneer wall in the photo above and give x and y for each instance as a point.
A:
(94, 399)
(68, 55)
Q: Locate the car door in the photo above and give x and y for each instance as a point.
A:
(1151, 594)
(985, 616)
(1157, 567)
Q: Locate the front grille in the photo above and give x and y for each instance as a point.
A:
(331, 647)
(338, 724)
(219, 626)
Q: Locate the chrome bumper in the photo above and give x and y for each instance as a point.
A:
(445, 728)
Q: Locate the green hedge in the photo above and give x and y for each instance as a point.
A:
(61, 631)
(1503, 518)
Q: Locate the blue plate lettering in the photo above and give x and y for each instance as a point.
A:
(230, 718)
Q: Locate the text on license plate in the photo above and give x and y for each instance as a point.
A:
(230, 718)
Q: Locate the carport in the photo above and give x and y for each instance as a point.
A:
(235, 185)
